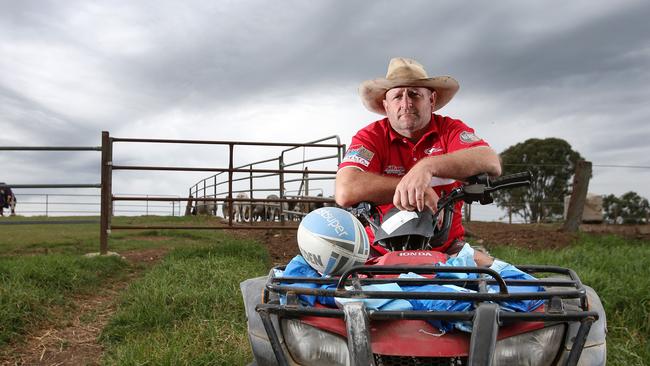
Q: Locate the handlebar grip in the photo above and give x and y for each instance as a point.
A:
(511, 178)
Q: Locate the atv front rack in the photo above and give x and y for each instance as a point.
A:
(485, 318)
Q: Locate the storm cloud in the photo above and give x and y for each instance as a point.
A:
(289, 71)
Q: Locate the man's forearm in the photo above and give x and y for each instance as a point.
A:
(354, 186)
(464, 163)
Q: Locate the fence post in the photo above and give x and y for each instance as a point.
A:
(106, 199)
(578, 196)
(250, 191)
(510, 213)
(46, 204)
(305, 177)
(281, 185)
(231, 148)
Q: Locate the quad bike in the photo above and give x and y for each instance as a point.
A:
(567, 329)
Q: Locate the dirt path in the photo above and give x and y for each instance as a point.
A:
(71, 339)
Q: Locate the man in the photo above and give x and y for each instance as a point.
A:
(410, 157)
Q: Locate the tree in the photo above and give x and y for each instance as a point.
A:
(552, 163)
(630, 208)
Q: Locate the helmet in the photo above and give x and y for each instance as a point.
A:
(412, 230)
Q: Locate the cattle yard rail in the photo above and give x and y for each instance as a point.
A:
(220, 185)
(51, 185)
(108, 167)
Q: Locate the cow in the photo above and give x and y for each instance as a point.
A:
(290, 208)
(259, 212)
(242, 210)
(272, 209)
(7, 200)
(206, 207)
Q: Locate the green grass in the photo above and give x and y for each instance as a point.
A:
(188, 310)
(30, 287)
(84, 238)
(42, 267)
(619, 271)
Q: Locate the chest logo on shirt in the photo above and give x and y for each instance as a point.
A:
(358, 154)
(394, 170)
(432, 149)
(468, 137)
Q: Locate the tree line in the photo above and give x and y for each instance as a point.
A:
(552, 162)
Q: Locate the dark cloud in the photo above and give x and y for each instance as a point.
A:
(69, 70)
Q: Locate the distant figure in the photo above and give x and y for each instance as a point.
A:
(258, 212)
(7, 200)
(272, 208)
(242, 210)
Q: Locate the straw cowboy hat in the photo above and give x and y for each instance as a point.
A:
(406, 72)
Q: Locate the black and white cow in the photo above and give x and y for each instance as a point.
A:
(7, 200)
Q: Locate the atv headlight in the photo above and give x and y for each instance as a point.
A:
(312, 346)
(536, 348)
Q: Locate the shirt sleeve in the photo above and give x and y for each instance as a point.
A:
(362, 153)
(459, 136)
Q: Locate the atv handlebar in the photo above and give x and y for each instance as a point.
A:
(523, 177)
(478, 188)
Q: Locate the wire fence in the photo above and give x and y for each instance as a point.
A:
(59, 204)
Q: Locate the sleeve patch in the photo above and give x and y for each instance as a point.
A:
(468, 137)
(358, 154)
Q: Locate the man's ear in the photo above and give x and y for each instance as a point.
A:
(433, 99)
(385, 104)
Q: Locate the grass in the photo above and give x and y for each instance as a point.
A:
(188, 308)
(84, 238)
(42, 268)
(619, 272)
(30, 287)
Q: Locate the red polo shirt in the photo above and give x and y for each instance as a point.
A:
(377, 148)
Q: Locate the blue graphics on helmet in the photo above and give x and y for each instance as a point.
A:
(331, 222)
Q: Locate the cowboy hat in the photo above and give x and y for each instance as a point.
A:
(406, 72)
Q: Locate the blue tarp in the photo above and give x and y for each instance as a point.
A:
(298, 267)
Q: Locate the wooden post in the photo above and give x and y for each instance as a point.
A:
(510, 213)
(106, 193)
(578, 196)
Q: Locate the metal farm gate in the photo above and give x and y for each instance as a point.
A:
(289, 185)
(253, 172)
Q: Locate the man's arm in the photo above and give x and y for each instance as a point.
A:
(412, 192)
(354, 185)
(465, 163)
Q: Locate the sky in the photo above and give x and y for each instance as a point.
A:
(289, 71)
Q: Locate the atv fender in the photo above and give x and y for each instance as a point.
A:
(252, 290)
(594, 352)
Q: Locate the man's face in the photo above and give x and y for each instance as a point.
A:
(409, 110)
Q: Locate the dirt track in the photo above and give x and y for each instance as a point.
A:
(283, 246)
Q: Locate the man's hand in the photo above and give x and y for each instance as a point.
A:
(414, 191)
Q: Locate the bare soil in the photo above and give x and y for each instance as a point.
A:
(283, 246)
